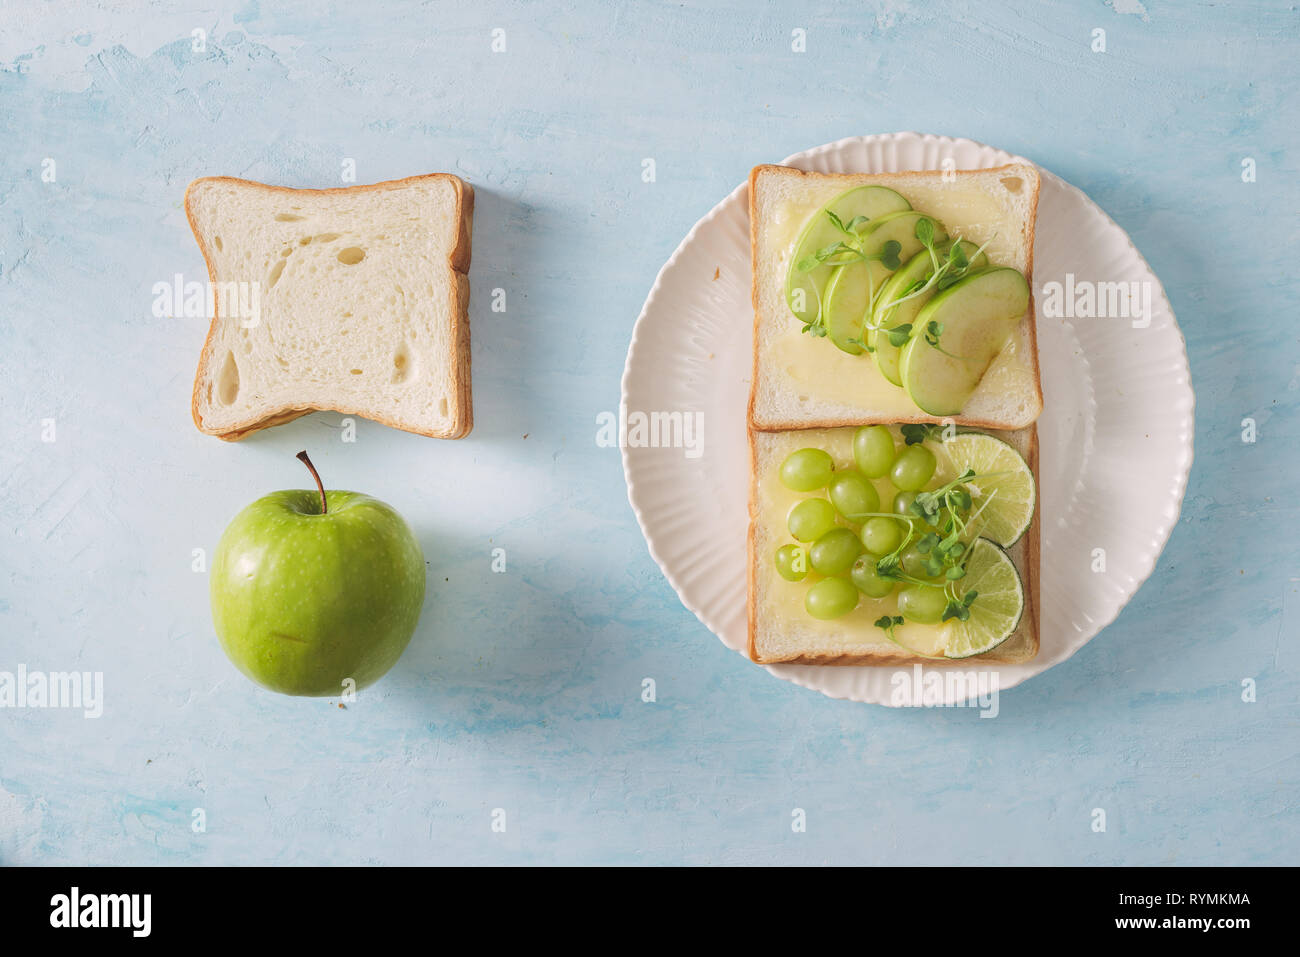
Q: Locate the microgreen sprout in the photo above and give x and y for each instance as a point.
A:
(933, 330)
(850, 250)
(887, 624)
(945, 270)
(959, 608)
(915, 433)
(940, 528)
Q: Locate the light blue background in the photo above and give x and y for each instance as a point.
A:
(522, 690)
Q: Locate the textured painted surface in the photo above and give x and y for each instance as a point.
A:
(521, 690)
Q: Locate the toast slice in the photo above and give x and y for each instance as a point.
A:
(353, 300)
(779, 628)
(802, 382)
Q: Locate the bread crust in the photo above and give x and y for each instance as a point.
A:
(787, 425)
(458, 261)
(1028, 568)
(753, 301)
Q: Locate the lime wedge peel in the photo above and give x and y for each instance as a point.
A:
(1004, 500)
(998, 608)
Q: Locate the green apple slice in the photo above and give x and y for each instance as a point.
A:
(849, 293)
(976, 315)
(917, 269)
(803, 288)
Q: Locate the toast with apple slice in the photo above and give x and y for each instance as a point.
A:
(352, 299)
(810, 374)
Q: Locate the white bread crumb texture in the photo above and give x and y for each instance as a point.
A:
(333, 298)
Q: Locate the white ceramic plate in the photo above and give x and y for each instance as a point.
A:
(1115, 434)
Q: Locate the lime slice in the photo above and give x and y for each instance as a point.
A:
(1004, 497)
(999, 603)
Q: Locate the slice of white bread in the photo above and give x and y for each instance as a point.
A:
(801, 381)
(779, 628)
(361, 297)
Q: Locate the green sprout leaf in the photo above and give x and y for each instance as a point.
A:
(915, 433)
(926, 505)
(887, 623)
(899, 335)
(890, 567)
(955, 609)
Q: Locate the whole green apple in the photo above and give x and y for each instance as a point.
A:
(311, 589)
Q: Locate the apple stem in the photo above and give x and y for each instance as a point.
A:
(302, 457)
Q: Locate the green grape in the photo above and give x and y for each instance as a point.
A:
(835, 551)
(914, 562)
(913, 468)
(873, 450)
(792, 563)
(903, 501)
(811, 519)
(853, 495)
(830, 598)
(922, 604)
(807, 470)
(880, 536)
(863, 575)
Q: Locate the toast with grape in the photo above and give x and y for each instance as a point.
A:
(887, 545)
